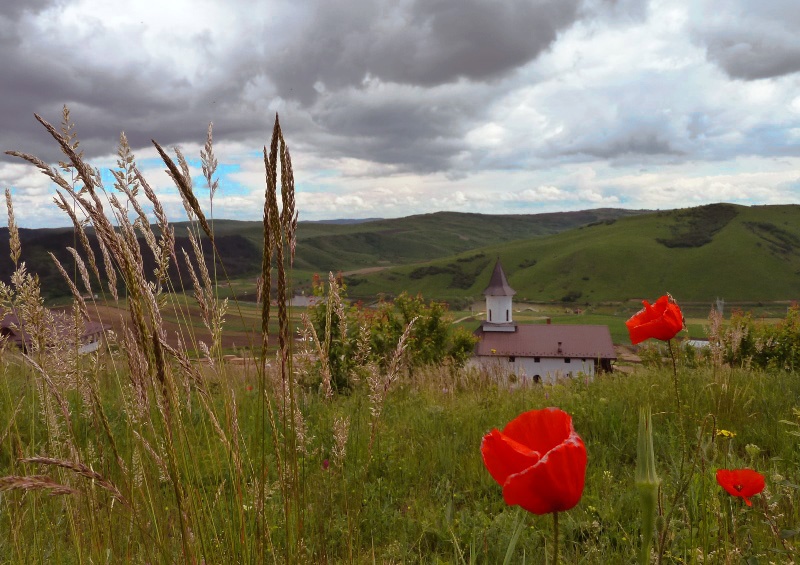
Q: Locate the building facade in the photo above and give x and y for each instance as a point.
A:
(536, 352)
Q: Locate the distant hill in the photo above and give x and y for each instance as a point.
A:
(738, 253)
(240, 255)
(323, 246)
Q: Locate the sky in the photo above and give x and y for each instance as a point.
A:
(399, 107)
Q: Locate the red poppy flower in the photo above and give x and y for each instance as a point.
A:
(743, 483)
(662, 320)
(539, 461)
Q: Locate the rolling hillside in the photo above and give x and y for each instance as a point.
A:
(735, 252)
(321, 246)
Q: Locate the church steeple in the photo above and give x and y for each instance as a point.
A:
(498, 284)
(498, 302)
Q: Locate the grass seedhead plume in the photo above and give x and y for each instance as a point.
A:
(13, 232)
(34, 482)
(209, 162)
(76, 295)
(81, 269)
(70, 137)
(80, 230)
(95, 478)
(125, 176)
(183, 180)
(380, 383)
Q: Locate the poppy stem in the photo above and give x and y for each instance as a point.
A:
(555, 538)
(678, 410)
(675, 376)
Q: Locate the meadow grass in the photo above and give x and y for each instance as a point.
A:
(422, 494)
(155, 450)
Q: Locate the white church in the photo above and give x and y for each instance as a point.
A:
(540, 353)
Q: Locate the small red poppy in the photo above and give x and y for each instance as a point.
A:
(662, 320)
(539, 461)
(743, 483)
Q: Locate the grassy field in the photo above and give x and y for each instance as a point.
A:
(420, 494)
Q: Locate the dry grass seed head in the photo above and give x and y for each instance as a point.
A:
(167, 241)
(34, 482)
(183, 180)
(209, 162)
(13, 232)
(83, 471)
(76, 295)
(341, 430)
(81, 269)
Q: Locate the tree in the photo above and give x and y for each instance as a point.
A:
(354, 336)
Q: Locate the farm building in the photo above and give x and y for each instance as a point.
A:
(12, 331)
(536, 352)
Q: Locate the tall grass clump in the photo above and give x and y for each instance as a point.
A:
(138, 452)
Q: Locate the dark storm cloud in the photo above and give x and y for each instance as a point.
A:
(750, 55)
(110, 92)
(13, 9)
(751, 40)
(425, 42)
(408, 127)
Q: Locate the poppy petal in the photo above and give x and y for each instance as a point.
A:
(504, 456)
(663, 320)
(540, 430)
(554, 484)
(742, 483)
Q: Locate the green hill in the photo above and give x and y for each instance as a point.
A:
(739, 253)
(736, 252)
(321, 247)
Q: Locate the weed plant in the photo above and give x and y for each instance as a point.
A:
(144, 452)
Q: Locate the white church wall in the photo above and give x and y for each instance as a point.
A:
(498, 309)
(548, 369)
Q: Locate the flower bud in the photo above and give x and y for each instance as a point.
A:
(647, 481)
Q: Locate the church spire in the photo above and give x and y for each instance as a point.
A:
(498, 284)
(498, 302)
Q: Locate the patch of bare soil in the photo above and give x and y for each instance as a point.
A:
(365, 271)
(175, 332)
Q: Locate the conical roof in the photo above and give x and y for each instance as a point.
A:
(498, 284)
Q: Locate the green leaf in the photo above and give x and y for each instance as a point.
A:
(514, 537)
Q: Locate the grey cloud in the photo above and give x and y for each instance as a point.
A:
(616, 10)
(424, 42)
(401, 126)
(643, 141)
(16, 8)
(109, 94)
(750, 40)
(749, 55)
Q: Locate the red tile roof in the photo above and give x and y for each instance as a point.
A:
(543, 341)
